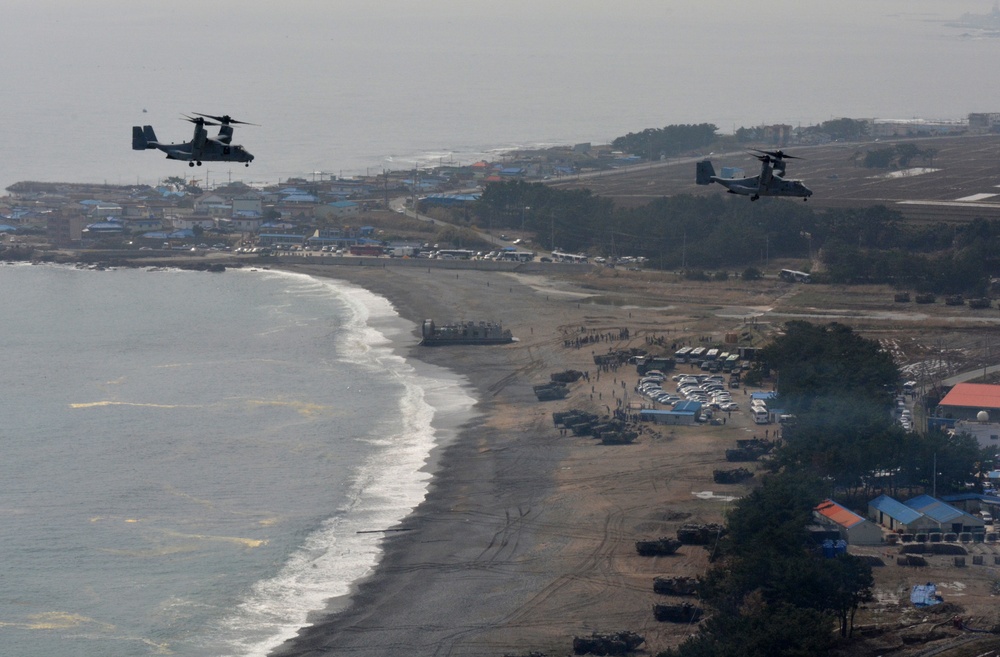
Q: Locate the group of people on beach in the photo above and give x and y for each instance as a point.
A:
(592, 337)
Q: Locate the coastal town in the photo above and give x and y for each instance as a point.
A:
(182, 213)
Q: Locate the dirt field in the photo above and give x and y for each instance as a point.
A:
(930, 190)
(929, 341)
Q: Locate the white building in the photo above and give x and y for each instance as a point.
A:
(191, 221)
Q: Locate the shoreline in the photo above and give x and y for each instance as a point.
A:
(454, 465)
(447, 394)
(525, 538)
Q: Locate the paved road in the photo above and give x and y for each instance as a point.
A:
(399, 205)
(970, 375)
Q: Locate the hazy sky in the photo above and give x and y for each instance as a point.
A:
(339, 83)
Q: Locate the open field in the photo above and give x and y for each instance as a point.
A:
(966, 167)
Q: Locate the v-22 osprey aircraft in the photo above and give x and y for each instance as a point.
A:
(770, 182)
(201, 148)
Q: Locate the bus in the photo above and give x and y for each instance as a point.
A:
(560, 256)
(712, 354)
(696, 355)
(367, 250)
(455, 254)
(760, 416)
(681, 355)
(516, 256)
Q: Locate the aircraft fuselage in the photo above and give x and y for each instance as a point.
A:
(768, 183)
(201, 148)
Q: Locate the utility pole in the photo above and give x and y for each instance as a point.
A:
(934, 478)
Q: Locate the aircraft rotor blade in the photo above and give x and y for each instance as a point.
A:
(225, 119)
(778, 155)
(199, 121)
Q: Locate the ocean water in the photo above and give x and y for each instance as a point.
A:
(349, 87)
(188, 458)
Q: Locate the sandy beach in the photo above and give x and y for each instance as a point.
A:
(526, 537)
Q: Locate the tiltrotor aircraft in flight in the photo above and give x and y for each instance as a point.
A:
(770, 182)
(201, 148)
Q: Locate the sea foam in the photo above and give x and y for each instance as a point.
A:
(383, 490)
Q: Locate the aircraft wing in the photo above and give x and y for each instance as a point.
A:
(742, 189)
(178, 154)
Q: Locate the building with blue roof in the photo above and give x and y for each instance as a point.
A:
(898, 517)
(450, 200)
(974, 502)
(344, 208)
(109, 227)
(685, 412)
(299, 197)
(947, 517)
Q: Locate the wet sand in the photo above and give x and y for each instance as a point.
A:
(526, 537)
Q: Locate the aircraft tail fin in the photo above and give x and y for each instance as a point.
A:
(143, 138)
(138, 140)
(705, 172)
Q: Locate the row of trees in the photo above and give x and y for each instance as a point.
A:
(840, 387)
(770, 593)
(655, 143)
(863, 245)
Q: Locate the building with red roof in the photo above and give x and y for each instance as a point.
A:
(966, 400)
(854, 529)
